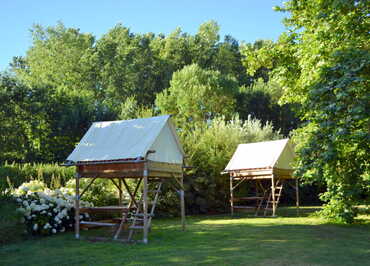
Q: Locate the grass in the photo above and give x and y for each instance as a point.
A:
(210, 240)
(11, 229)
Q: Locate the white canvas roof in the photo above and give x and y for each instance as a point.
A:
(130, 139)
(267, 154)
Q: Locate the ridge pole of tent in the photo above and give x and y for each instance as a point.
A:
(273, 195)
(182, 199)
(145, 203)
(77, 207)
(297, 195)
(231, 195)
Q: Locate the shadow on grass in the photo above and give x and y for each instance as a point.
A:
(212, 240)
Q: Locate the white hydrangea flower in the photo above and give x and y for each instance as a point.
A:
(35, 227)
(21, 210)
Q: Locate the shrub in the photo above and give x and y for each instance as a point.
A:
(209, 147)
(53, 175)
(101, 192)
(46, 211)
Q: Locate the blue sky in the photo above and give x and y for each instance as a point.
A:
(245, 20)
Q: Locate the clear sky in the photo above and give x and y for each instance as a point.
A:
(245, 20)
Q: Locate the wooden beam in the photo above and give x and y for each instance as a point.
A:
(297, 195)
(179, 182)
(86, 188)
(231, 196)
(132, 196)
(120, 194)
(273, 195)
(145, 205)
(77, 207)
(182, 199)
(241, 181)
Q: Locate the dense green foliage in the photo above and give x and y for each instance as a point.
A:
(209, 148)
(14, 174)
(323, 64)
(68, 79)
(196, 96)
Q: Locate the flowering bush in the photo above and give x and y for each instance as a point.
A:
(46, 211)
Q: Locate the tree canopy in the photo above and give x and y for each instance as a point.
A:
(322, 64)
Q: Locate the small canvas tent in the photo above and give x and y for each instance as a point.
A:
(260, 161)
(146, 149)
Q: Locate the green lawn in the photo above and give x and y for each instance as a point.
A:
(212, 240)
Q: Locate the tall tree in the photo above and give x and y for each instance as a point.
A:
(323, 64)
(128, 67)
(197, 95)
(57, 58)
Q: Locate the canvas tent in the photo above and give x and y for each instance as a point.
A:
(146, 149)
(258, 162)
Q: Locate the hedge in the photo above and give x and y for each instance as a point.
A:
(14, 174)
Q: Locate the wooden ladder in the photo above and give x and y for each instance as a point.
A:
(137, 218)
(269, 202)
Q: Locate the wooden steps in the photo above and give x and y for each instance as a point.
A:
(273, 199)
(137, 219)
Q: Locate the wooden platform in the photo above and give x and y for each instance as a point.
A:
(105, 209)
(130, 169)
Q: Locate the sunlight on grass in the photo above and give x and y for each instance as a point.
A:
(209, 240)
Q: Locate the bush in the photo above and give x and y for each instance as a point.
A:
(46, 211)
(209, 148)
(53, 175)
(102, 192)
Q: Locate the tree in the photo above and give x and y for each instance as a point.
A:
(128, 67)
(261, 101)
(322, 63)
(197, 95)
(57, 58)
(22, 121)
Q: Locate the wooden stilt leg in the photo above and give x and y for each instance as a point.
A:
(231, 196)
(77, 208)
(273, 196)
(297, 195)
(120, 196)
(145, 205)
(182, 199)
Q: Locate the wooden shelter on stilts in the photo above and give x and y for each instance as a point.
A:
(145, 150)
(266, 166)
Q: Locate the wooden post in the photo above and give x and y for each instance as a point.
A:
(77, 207)
(297, 195)
(120, 192)
(182, 199)
(273, 195)
(145, 204)
(231, 196)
